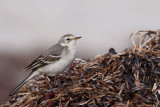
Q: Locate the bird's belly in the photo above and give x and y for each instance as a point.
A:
(57, 67)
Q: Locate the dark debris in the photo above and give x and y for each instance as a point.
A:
(127, 79)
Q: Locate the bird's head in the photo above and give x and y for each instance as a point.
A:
(68, 40)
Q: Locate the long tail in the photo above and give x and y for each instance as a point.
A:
(31, 75)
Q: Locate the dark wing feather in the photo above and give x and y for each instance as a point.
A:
(52, 55)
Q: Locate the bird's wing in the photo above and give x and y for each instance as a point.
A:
(50, 56)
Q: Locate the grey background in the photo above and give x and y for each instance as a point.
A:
(29, 27)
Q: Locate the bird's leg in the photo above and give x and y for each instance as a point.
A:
(48, 80)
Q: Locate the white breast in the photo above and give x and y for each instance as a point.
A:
(60, 65)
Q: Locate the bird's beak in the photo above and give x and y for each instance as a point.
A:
(76, 38)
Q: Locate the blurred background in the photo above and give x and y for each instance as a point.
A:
(27, 28)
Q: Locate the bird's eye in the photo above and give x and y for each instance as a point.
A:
(68, 39)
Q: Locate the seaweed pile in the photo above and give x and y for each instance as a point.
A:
(130, 78)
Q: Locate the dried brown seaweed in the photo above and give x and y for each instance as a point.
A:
(130, 78)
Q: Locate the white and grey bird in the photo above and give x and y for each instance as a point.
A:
(53, 61)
